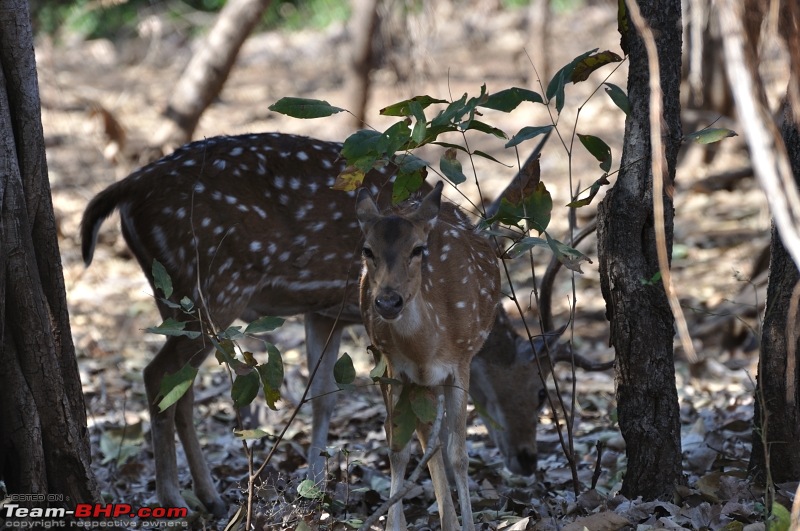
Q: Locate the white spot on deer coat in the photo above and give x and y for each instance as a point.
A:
(235, 152)
(180, 213)
(302, 155)
(220, 164)
(260, 211)
(189, 162)
(230, 199)
(199, 188)
(284, 257)
(279, 182)
(294, 183)
(255, 246)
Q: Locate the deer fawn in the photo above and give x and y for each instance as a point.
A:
(248, 225)
(430, 288)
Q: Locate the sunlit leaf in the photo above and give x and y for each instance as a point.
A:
(251, 435)
(379, 370)
(175, 385)
(710, 135)
(589, 64)
(351, 178)
(304, 108)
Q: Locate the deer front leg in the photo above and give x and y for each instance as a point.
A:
(436, 466)
(398, 460)
(455, 397)
(323, 387)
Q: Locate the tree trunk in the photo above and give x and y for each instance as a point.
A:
(364, 23)
(44, 445)
(636, 305)
(206, 73)
(777, 416)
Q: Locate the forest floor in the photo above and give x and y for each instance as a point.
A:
(721, 228)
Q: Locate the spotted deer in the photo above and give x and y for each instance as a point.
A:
(248, 226)
(430, 288)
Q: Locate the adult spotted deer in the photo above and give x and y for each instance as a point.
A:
(251, 223)
(430, 288)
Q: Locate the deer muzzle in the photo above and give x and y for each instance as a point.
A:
(389, 304)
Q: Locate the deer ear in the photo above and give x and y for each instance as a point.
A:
(428, 210)
(366, 209)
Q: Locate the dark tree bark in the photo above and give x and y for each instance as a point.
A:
(208, 70)
(639, 313)
(364, 24)
(777, 415)
(44, 445)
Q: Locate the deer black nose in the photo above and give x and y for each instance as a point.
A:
(389, 304)
(527, 462)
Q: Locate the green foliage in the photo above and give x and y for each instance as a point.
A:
(344, 374)
(249, 376)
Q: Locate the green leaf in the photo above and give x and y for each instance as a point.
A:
(526, 133)
(225, 351)
(569, 257)
(477, 125)
(405, 184)
(360, 149)
(534, 210)
(593, 189)
(304, 108)
(245, 389)
(452, 114)
(404, 421)
(344, 374)
(420, 123)
(187, 305)
(264, 324)
(480, 153)
(423, 403)
(271, 375)
(619, 97)
(451, 167)
(379, 370)
(509, 99)
(406, 107)
(161, 279)
(598, 149)
(171, 327)
(308, 489)
(710, 135)
(174, 386)
(589, 64)
(524, 245)
(556, 86)
(234, 333)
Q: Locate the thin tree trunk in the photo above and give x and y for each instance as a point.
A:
(44, 446)
(636, 304)
(208, 70)
(777, 416)
(364, 23)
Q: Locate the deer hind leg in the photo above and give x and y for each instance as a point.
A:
(202, 481)
(175, 353)
(441, 486)
(323, 386)
(455, 422)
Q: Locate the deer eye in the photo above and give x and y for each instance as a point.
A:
(542, 397)
(418, 251)
(366, 252)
